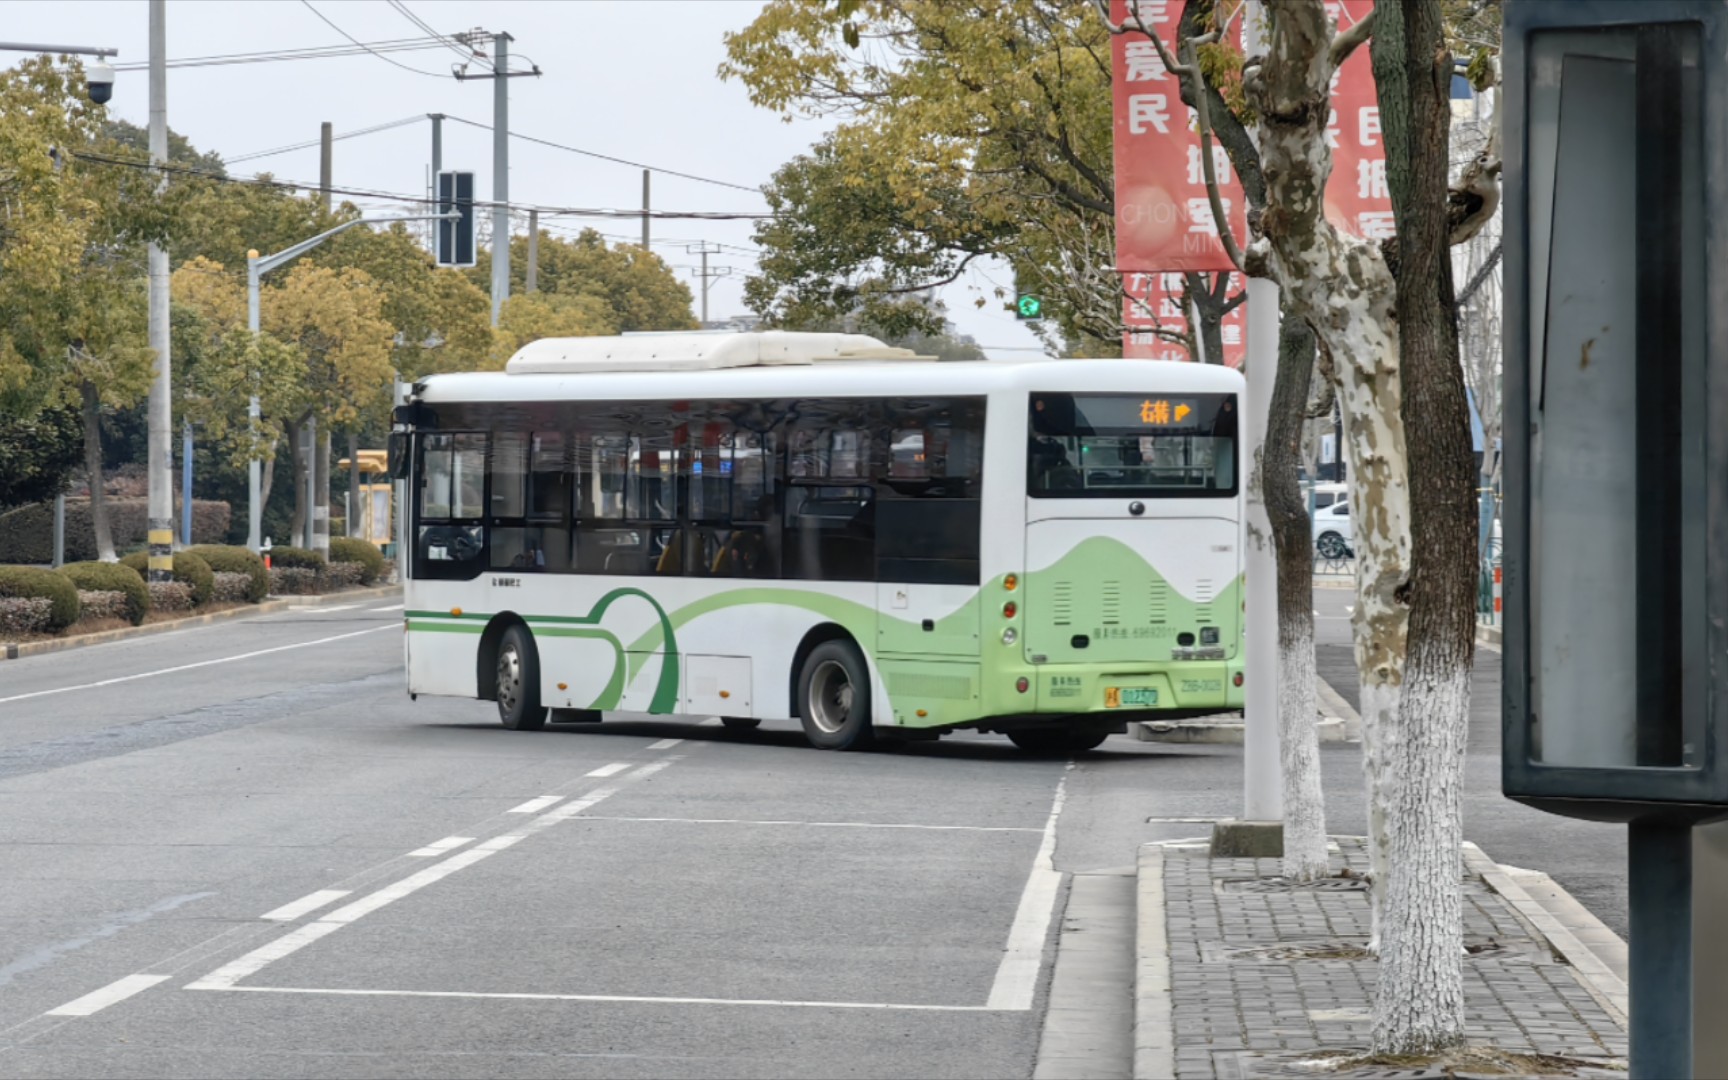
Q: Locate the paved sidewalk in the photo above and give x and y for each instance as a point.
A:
(1241, 975)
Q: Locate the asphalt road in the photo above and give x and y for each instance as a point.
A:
(241, 850)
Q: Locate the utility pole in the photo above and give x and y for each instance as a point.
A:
(500, 74)
(533, 251)
(500, 173)
(159, 457)
(705, 274)
(324, 140)
(646, 203)
(1262, 756)
(437, 167)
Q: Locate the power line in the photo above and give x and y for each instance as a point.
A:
(608, 157)
(311, 52)
(373, 130)
(418, 200)
(363, 45)
(445, 40)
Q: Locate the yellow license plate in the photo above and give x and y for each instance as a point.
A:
(1115, 697)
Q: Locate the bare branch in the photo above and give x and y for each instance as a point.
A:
(1347, 40)
(1481, 276)
(949, 280)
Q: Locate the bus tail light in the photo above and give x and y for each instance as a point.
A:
(1010, 636)
(1021, 684)
(1238, 679)
(1011, 582)
(1010, 609)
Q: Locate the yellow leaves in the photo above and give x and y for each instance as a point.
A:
(336, 318)
(531, 316)
(218, 296)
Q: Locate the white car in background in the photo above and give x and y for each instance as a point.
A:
(1334, 534)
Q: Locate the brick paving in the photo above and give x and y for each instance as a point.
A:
(1262, 978)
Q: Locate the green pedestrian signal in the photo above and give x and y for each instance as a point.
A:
(1029, 307)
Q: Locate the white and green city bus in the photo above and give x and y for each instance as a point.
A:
(816, 526)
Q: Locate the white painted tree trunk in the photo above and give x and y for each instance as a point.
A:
(1299, 747)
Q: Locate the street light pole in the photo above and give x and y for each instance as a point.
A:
(159, 457)
(500, 174)
(256, 267)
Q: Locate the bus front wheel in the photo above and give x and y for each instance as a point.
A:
(519, 707)
(834, 697)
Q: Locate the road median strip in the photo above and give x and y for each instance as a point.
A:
(20, 650)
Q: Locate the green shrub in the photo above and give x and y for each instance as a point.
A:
(237, 560)
(346, 549)
(31, 581)
(294, 558)
(189, 569)
(112, 577)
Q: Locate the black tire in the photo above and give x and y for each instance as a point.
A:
(740, 723)
(519, 707)
(1332, 546)
(834, 697)
(1057, 740)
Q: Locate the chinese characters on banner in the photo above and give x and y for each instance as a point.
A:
(1163, 216)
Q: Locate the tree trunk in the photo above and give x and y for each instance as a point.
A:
(1341, 287)
(321, 485)
(1420, 1004)
(1298, 738)
(91, 409)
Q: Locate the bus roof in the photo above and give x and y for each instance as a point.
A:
(693, 351)
(860, 378)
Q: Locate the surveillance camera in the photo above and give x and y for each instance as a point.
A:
(99, 80)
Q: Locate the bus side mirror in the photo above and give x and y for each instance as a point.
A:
(398, 455)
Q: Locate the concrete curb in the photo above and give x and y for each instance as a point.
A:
(1488, 635)
(1154, 1026)
(275, 604)
(1332, 730)
(1597, 978)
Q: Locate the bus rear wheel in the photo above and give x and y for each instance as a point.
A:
(519, 707)
(834, 697)
(1057, 740)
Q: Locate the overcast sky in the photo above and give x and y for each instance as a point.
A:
(632, 80)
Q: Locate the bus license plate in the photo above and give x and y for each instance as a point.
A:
(1117, 696)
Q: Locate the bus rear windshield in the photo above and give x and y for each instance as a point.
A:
(1142, 445)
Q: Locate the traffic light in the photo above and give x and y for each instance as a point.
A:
(1028, 307)
(455, 245)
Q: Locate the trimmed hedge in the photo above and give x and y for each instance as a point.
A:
(189, 570)
(237, 560)
(345, 549)
(27, 533)
(113, 577)
(294, 558)
(31, 581)
(295, 581)
(103, 604)
(25, 614)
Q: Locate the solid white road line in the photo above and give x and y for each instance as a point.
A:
(199, 664)
(534, 806)
(664, 744)
(338, 607)
(305, 905)
(610, 770)
(440, 847)
(818, 824)
(97, 1000)
(1017, 976)
(886, 1006)
(389, 607)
